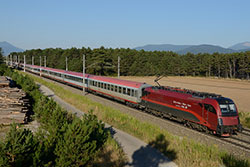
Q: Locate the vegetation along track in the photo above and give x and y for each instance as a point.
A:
(237, 144)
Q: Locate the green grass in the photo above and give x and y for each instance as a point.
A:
(245, 119)
(111, 155)
(183, 151)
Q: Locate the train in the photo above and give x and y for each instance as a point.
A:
(207, 112)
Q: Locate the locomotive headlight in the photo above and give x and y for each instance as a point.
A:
(220, 122)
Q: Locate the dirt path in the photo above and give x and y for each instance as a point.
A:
(237, 90)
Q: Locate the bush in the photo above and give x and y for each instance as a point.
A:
(62, 139)
(3, 158)
(2, 69)
(80, 142)
(19, 147)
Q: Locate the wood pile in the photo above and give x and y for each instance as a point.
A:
(14, 104)
(4, 82)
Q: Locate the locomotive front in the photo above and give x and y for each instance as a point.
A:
(228, 117)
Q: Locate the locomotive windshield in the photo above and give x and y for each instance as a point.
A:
(228, 109)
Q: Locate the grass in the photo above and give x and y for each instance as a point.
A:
(183, 151)
(245, 119)
(111, 155)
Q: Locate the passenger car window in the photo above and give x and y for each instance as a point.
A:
(124, 90)
(133, 92)
(128, 92)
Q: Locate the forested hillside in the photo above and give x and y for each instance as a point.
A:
(103, 61)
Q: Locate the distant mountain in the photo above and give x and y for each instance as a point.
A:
(163, 47)
(244, 50)
(205, 49)
(241, 46)
(195, 49)
(7, 48)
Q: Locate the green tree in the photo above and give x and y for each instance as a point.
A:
(103, 61)
(3, 157)
(244, 65)
(3, 68)
(1, 56)
(19, 147)
(80, 142)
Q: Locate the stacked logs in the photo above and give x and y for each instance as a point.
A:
(14, 104)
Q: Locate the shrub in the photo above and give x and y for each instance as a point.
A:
(62, 139)
(19, 147)
(3, 158)
(2, 69)
(80, 142)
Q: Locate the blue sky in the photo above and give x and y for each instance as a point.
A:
(129, 23)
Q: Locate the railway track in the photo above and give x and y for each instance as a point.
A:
(237, 144)
(246, 131)
(244, 138)
(241, 141)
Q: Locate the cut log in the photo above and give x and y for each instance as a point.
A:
(4, 82)
(13, 103)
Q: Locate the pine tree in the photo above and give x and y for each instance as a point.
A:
(80, 143)
(3, 158)
(19, 147)
(1, 56)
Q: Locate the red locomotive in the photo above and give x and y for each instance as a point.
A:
(203, 111)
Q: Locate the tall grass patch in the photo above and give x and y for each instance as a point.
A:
(245, 119)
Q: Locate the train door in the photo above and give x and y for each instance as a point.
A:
(87, 83)
(204, 113)
(211, 115)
